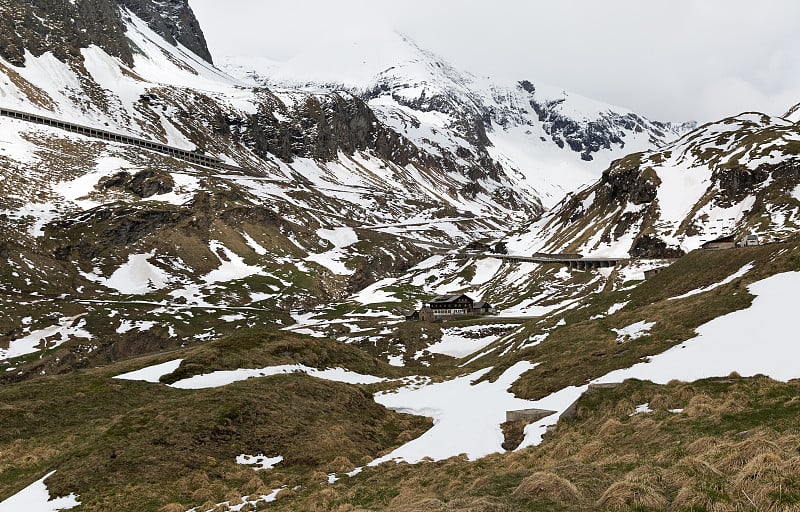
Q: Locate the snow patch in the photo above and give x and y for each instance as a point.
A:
(136, 277)
(466, 416)
(633, 331)
(757, 340)
(462, 341)
(373, 294)
(36, 498)
(232, 266)
(152, 373)
(642, 409)
(43, 339)
(259, 461)
(225, 377)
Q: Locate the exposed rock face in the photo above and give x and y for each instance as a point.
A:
(737, 183)
(625, 180)
(647, 246)
(109, 227)
(64, 27)
(793, 114)
(61, 27)
(173, 20)
(145, 183)
(469, 120)
(324, 125)
(593, 136)
(373, 266)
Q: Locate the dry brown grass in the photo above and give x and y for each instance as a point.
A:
(702, 445)
(740, 454)
(760, 468)
(545, 485)
(691, 498)
(592, 451)
(628, 495)
(172, 507)
(645, 429)
(340, 464)
(700, 405)
(689, 469)
(566, 446)
(610, 427)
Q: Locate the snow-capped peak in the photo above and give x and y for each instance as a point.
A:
(793, 114)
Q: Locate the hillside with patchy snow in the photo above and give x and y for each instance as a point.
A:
(220, 323)
(548, 141)
(738, 176)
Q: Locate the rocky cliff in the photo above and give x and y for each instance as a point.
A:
(64, 27)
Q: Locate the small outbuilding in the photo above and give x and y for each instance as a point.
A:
(725, 242)
(482, 308)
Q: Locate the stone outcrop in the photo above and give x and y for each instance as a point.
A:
(322, 126)
(648, 246)
(144, 184)
(737, 183)
(173, 20)
(61, 27)
(64, 27)
(625, 180)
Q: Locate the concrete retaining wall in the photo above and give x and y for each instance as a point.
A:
(528, 414)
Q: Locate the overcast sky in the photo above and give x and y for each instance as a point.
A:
(675, 60)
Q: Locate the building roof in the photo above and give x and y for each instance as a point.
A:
(722, 239)
(444, 299)
(481, 305)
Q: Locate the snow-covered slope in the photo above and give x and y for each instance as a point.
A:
(100, 220)
(736, 176)
(545, 139)
(793, 114)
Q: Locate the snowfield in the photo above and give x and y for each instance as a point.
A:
(463, 341)
(152, 373)
(225, 377)
(758, 340)
(67, 328)
(137, 277)
(259, 461)
(633, 331)
(466, 416)
(36, 498)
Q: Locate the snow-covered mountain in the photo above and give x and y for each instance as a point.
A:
(247, 245)
(793, 114)
(321, 196)
(737, 176)
(547, 140)
(419, 158)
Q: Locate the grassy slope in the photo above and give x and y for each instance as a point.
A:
(735, 441)
(734, 446)
(136, 446)
(587, 348)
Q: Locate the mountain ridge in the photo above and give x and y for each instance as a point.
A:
(734, 176)
(179, 337)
